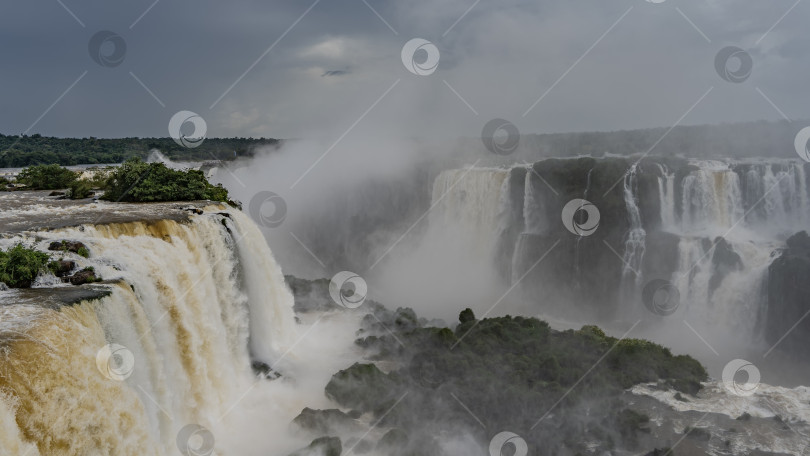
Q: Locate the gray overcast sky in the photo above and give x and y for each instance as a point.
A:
(602, 65)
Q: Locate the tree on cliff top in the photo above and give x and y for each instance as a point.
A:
(136, 181)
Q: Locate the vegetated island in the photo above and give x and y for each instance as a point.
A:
(563, 392)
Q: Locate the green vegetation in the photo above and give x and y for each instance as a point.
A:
(21, 151)
(19, 266)
(137, 181)
(556, 389)
(80, 189)
(47, 177)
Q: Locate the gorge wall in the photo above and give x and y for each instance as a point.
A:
(710, 228)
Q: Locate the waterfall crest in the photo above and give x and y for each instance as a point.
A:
(194, 303)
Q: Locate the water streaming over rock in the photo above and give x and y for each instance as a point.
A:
(711, 227)
(195, 303)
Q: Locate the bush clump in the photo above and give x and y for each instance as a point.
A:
(80, 189)
(137, 181)
(19, 266)
(46, 177)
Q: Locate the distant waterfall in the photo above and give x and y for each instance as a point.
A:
(636, 236)
(754, 205)
(666, 193)
(195, 304)
(711, 198)
(468, 203)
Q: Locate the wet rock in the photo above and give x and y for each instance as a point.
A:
(69, 246)
(310, 295)
(86, 275)
(788, 295)
(63, 268)
(326, 421)
(55, 193)
(264, 371)
(393, 440)
(193, 210)
(725, 260)
(323, 446)
(3, 287)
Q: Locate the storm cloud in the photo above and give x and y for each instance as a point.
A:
(256, 68)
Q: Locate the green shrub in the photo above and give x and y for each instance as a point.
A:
(137, 181)
(46, 177)
(19, 266)
(80, 189)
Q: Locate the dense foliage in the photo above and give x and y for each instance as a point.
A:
(47, 177)
(559, 390)
(21, 151)
(80, 189)
(19, 266)
(137, 181)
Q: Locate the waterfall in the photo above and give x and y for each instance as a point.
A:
(666, 194)
(711, 198)
(636, 236)
(194, 303)
(534, 211)
(468, 204)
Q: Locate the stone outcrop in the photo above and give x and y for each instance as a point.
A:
(323, 446)
(69, 246)
(789, 296)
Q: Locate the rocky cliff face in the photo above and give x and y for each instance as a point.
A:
(707, 227)
(789, 296)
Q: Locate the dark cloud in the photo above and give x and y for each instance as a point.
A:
(497, 60)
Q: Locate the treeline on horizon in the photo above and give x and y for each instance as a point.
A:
(23, 151)
(748, 139)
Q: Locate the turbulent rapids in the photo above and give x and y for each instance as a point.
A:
(192, 305)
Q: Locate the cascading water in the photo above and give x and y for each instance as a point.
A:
(577, 272)
(469, 202)
(636, 236)
(711, 198)
(194, 303)
(753, 205)
(666, 192)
